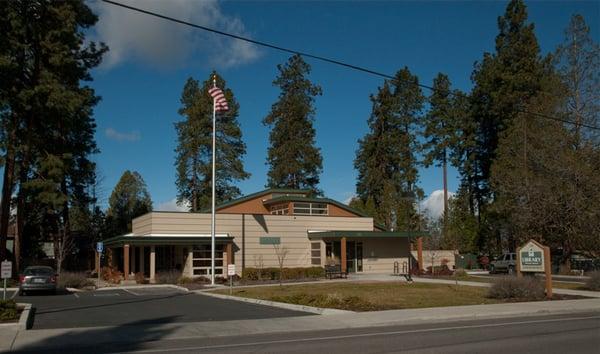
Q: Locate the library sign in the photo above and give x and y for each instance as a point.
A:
(533, 257)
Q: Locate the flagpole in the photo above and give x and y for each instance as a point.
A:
(212, 220)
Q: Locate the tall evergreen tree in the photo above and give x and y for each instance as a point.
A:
(440, 131)
(194, 149)
(294, 160)
(505, 81)
(47, 117)
(386, 159)
(128, 200)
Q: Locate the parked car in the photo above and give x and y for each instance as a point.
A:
(37, 278)
(506, 263)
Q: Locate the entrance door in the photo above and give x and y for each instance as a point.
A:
(351, 257)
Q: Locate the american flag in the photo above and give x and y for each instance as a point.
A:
(219, 99)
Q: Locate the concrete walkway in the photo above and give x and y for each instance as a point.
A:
(81, 337)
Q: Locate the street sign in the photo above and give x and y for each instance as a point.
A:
(99, 247)
(230, 269)
(6, 270)
(531, 257)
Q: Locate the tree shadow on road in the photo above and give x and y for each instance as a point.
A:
(126, 337)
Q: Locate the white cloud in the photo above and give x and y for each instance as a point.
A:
(133, 36)
(171, 205)
(433, 205)
(116, 135)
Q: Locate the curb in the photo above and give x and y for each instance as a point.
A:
(143, 286)
(283, 305)
(26, 319)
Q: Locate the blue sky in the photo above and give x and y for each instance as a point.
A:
(150, 60)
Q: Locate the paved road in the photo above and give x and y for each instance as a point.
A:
(573, 334)
(140, 306)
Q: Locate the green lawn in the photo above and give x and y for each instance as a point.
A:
(369, 296)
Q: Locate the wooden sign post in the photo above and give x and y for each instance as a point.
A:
(534, 257)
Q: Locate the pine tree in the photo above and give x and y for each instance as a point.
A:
(194, 149)
(48, 110)
(294, 160)
(386, 160)
(128, 200)
(440, 131)
(505, 81)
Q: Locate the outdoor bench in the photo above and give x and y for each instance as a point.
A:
(332, 271)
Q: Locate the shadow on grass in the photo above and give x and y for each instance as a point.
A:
(125, 337)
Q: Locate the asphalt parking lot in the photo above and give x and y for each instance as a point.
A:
(140, 306)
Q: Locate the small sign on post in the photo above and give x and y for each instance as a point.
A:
(99, 249)
(230, 274)
(534, 257)
(5, 273)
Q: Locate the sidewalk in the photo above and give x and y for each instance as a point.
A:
(80, 337)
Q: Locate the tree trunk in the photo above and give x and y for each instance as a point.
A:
(8, 185)
(445, 177)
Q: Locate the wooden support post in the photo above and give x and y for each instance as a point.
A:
(97, 262)
(152, 264)
(343, 255)
(126, 262)
(133, 259)
(548, 272)
(518, 265)
(142, 259)
(420, 253)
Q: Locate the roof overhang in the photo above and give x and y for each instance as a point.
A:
(165, 239)
(365, 234)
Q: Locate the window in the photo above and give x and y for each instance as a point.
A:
(315, 253)
(201, 259)
(310, 208)
(280, 209)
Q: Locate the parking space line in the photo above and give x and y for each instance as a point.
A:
(14, 294)
(75, 294)
(131, 292)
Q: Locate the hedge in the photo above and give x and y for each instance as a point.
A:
(288, 273)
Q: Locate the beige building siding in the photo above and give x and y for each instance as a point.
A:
(379, 255)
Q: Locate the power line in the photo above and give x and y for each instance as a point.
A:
(318, 57)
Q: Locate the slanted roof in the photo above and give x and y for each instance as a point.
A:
(365, 234)
(260, 194)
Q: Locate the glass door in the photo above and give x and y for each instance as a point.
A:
(351, 257)
(359, 256)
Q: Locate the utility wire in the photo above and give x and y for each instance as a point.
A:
(317, 57)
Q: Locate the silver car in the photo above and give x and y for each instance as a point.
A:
(37, 278)
(505, 263)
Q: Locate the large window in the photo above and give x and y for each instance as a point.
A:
(201, 260)
(310, 209)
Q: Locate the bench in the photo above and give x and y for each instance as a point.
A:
(332, 271)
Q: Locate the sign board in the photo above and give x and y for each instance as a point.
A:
(6, 270)
(231, 269)
(531, 258)
(270, 240)
(99, 247)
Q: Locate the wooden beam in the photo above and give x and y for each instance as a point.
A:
(343, 255)
(420, 253)
(126, 261)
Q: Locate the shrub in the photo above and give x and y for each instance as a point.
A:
(593, 282)
(524, 288)
(8, 310)
(140, 278)
(461, 273)
(288, 273)
(111, 275)
(168, 277)
(74, 280)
